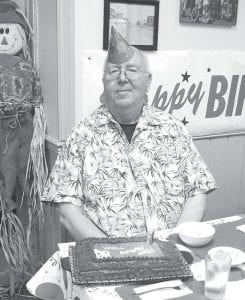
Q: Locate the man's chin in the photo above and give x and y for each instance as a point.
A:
(124, 101)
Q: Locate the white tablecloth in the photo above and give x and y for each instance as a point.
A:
(53, 282)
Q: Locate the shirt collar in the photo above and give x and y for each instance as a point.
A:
(105, 116)
(148, 116)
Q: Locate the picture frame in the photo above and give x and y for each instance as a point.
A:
(209, 12)
(136, 20)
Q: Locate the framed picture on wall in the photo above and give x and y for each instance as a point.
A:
(213, 12)
(136, 20)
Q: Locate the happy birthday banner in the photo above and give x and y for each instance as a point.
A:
(204, 89)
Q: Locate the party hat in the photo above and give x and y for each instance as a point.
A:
(119, 49)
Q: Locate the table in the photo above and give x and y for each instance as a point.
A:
(53, 282)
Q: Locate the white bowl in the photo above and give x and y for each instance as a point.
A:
(196, 234)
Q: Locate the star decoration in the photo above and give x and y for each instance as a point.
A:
(184, 121)
(185, 76)
(208, 70)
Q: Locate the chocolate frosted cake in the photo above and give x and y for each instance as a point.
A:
(125, 260)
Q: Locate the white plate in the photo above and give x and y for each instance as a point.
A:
(237, 256)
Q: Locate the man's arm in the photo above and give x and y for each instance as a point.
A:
(194, 209)
(76, 223)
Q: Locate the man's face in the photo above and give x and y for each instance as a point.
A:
(121, 92)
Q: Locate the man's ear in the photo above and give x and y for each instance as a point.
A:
(148, 82)
(102, 98)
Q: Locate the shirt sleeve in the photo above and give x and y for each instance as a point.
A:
(197, 177)
(65, 182)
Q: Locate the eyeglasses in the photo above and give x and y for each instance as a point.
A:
(131, 73)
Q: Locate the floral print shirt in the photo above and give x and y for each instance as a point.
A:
(126, 188)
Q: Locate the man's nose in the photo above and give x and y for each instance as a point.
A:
(122, 76)
(4, 41)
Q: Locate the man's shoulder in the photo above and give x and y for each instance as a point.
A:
(161, 117)
(84, 131)
(169, 124)
(91, 117)
(92, 121)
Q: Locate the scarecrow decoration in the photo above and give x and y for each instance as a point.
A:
(22, 135)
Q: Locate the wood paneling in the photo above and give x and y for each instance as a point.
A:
(225, 159)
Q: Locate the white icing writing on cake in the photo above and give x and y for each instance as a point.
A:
(102, 254)
(140, 250)
(112, 248)
(117, 251)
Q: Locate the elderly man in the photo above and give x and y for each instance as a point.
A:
(128, 168)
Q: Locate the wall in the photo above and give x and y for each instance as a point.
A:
(223, 155)
(48, 68)
(48, 62)
(172, 35)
